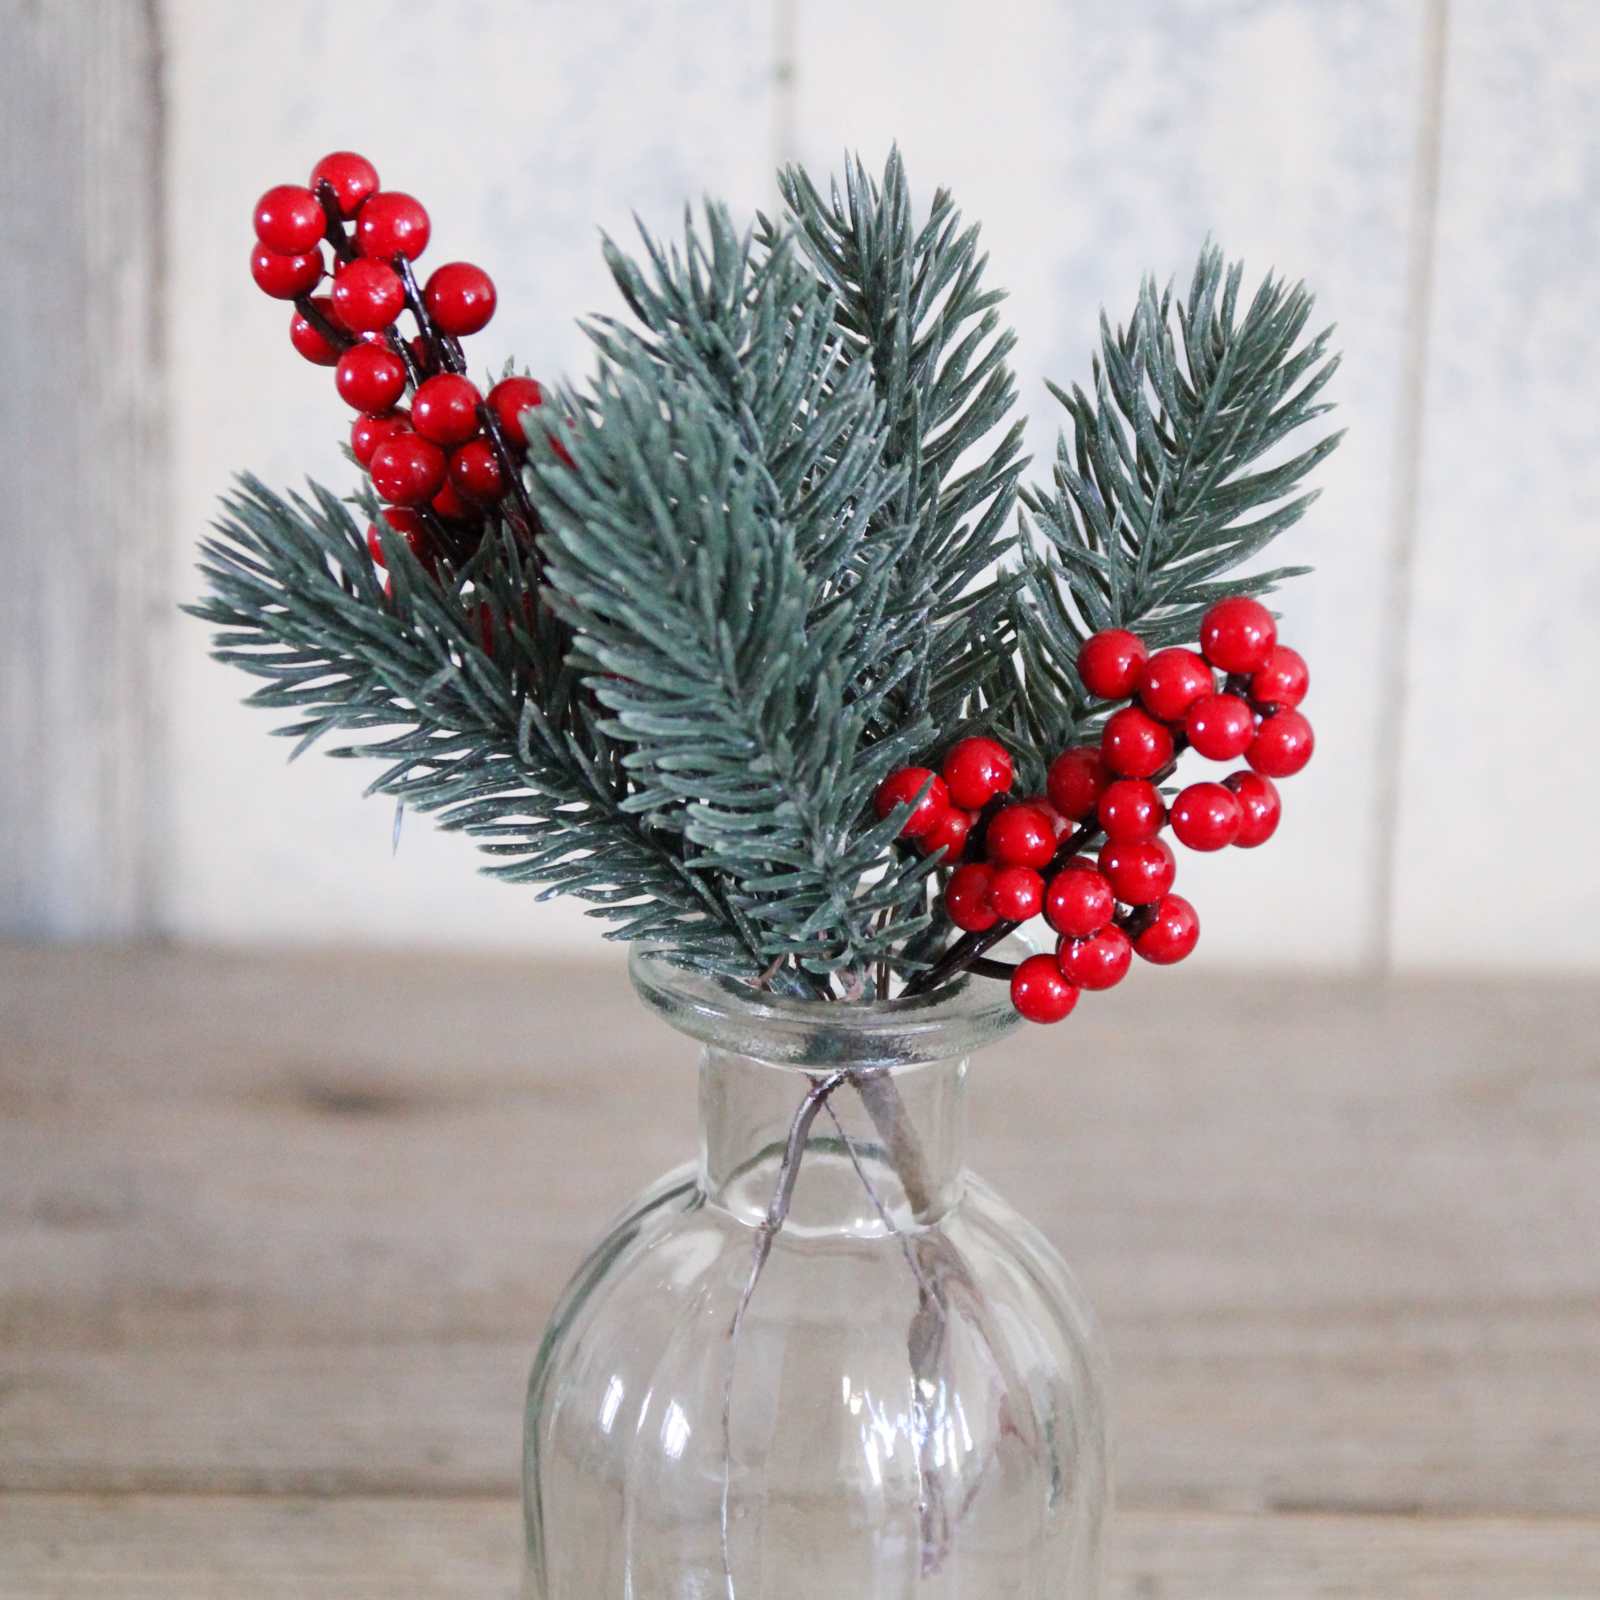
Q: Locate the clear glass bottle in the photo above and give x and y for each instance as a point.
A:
(824, 1359)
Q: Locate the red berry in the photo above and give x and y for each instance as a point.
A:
(966, 898)
(1075, 780)
(1220, 726)
(1134, 744)
(1206, 816)
(285, 277)
(1283, 681)
(1041, 802)
(1132, 809)
(392, 224)
(1171, 934)
(903, 787)
(409, 526)
(1282, 745)
(1097, 962)
(407, 469)
(289, 220)
(476, 472)
(367, 433)
(404, 521)
(1039, 992)
(1173, 680)
(1079, 901)
(375, 545)
(948, 833)
(445, 409)
(368, 295)
(508, 399)
(371, 377)
(352, 177)
(450, 504)
(1238, 634)
(1259, 807)
(309, 340)
(1017, 893)
(1020, 836)
(460, 298)
(1139, 873)
(976, 770)
(1110, 663)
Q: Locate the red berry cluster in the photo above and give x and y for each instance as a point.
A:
(442, 464)
(945, 805)
(1014, 859)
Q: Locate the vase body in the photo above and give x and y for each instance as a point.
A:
(823, 1359)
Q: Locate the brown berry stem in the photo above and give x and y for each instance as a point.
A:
(446, 350)
(508, 465)
(329, 329)
(987, 967)
(444, 538)
(343, 246)
(396, 343)
(973, 849)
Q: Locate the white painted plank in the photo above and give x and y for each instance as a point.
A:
(84, 622)
(1494, 863)
(524, 127)
(1096, 142)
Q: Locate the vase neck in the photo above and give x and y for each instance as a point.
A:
(878, 1150)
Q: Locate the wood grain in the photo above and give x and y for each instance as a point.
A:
(84, 622)
(282, 1226)
(201, 1548)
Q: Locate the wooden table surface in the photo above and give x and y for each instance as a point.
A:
(278, 1235)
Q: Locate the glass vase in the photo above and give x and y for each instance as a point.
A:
(824, 1359)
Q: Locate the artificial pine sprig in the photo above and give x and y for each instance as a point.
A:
(680, 652)
(1154, 501)
(744, 702)
(509, 757)
(912, 300)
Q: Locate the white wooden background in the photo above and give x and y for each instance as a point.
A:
(1431, 166)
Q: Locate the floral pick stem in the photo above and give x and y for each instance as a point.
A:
(777, 1211)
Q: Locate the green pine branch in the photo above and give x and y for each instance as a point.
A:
(745, 705)
(481, 743)
(1166, 486)
(916, 312)
(750, 328)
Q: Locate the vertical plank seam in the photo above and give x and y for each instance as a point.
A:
(1406, 506)
(158, 775)
(80, 726)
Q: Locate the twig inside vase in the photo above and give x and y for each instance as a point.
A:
(878, 1203)
(925, 1345)
(777, 1211)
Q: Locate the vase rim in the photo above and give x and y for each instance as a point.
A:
(813, 1035)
